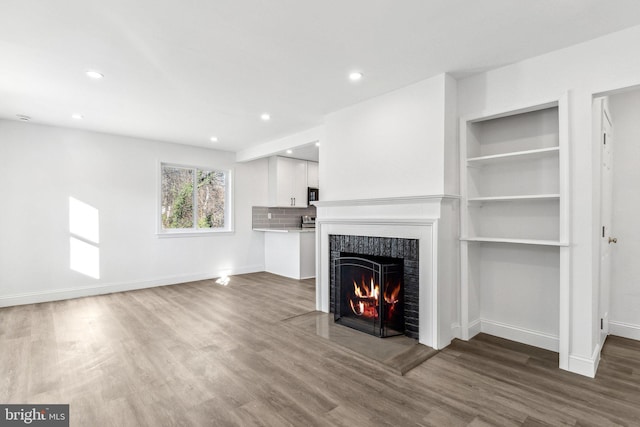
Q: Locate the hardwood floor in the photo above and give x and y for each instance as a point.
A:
(204, 354)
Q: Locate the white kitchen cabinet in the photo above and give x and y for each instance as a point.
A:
(312, 175)
(287, 182)
(290, 253)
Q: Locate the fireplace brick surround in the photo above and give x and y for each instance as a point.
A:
(407, 249)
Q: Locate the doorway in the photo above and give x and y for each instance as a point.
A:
(618, 119)
(604, 125)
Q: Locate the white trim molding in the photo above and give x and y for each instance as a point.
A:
(514, 333)
(584, 365)
(109, 288)
(522, 335)
(624, 330)
(475, 327)
(386, 200)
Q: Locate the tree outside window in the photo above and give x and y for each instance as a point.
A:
(194, 199)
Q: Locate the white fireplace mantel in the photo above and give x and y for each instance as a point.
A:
(403, 200)
(404, 217)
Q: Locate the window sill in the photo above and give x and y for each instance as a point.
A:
(189, 233)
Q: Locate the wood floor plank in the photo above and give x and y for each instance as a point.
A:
(201, 354)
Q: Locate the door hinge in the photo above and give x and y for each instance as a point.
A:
(603, 231)
(601, 323)
(605, 139)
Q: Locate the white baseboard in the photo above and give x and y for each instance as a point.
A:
(474, 328)
(456, 331)
(577, 364)
(287, 275)
(109, 288)
(583, 365)
(624, 330)
(522, 335)
(446, 336)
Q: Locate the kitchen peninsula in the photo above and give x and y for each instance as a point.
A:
(289, 249)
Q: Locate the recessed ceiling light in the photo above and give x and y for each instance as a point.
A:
(94, 74)
(214, 139)
(23, 118)
(355, 76)
(265, 116)
(317, 144)
(289, 151)
(77, 116)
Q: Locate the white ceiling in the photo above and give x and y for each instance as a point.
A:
(182, 71)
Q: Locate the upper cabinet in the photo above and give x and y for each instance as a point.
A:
(312, 175)
(288, 181)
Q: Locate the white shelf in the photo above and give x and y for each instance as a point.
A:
(515, 155)
(514, 223)
(514, 198)
(514, 241)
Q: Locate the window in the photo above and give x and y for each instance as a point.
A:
(194, 199)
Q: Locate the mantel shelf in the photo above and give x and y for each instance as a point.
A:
(515, 155)
(515, 241)
(514, 198)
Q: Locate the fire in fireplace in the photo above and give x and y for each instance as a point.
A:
(370, 294)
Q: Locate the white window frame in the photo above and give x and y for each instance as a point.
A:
(197, 232)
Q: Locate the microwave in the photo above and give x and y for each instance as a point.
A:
(312, 195)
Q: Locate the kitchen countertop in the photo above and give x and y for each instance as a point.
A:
(287, 230)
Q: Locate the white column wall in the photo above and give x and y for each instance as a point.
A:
(388, 146)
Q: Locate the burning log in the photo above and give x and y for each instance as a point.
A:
(364, 306)
(365, 302)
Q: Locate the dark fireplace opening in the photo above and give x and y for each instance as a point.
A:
(370, 293)
(383, 251)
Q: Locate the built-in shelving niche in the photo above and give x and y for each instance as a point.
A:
(514, 224)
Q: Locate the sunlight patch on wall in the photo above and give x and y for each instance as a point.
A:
(84, 258)
(84, 221)
(84, 227)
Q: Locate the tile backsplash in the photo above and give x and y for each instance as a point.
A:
(280, 217)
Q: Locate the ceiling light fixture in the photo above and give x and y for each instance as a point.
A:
(214, 139)
(23, 118)
(355, 76)
(77, 116)
(289, 151)
(94, 74)
(265, 117)
(317, 144)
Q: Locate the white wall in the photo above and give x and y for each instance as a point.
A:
(451, 146)
(389, 146)
(42, 166)
(601, 65)
(624, 314)
(518, 294)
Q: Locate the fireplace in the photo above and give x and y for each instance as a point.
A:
(374, 284)
(370, 294)
(423, 231)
